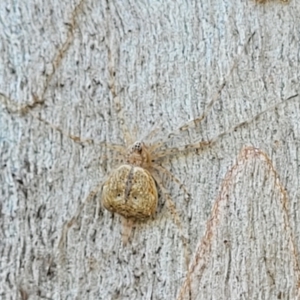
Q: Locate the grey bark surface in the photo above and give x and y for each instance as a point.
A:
(170, 58)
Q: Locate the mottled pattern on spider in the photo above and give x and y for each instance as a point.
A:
(130, 190)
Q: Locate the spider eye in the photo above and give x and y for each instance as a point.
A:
(137, 146)
(119, 195)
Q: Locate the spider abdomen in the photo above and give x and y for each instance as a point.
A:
(130, 191)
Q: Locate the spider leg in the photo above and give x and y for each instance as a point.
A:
(161, 169)
(70, 223)
(201, 144)
(112, 87)
(195, 122)
(26, 109)
(127, 225)
(77, 139)
(127, 136)
(192, 146)
(154, 129)
(174, 214)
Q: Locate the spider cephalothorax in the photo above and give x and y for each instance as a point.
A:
(138, 155)
(130, 190)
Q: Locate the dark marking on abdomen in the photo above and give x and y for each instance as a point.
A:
(129, 184)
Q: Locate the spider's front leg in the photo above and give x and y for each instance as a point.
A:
(201, 144)
(195, 122)
(163, 170)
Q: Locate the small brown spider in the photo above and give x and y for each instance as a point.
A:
(131, 190)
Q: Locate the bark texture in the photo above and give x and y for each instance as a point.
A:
(95, 63)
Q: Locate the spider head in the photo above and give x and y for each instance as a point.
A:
(137, 147)
(138, 155)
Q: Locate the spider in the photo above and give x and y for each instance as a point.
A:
(131, 189)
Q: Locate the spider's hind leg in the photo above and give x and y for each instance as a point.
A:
(73, 220)
(172, 208)
(127, 226)
(163, 170)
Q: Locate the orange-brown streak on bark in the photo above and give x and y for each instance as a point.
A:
(204, 246)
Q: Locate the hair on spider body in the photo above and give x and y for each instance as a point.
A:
(138, 155)
(130, 190)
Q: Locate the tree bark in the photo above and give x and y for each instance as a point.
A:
(87, 66)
